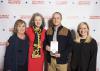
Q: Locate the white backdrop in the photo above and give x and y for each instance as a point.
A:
(73, 11)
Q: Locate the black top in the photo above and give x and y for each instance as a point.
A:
(16, 53)
(84, 56)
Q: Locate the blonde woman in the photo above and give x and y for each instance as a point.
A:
(84, 52)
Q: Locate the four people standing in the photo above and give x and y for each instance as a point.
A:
(25, 50)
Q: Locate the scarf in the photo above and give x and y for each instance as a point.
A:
(36, 45)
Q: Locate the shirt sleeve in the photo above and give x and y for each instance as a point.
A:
(93, 57)
(8, 56)
(67, 52)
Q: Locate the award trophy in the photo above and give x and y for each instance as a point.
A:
(54, 46)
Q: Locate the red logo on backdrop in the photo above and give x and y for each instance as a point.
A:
(94, 17)
(14, 1)
(29, 17)
(72, 17)
(38, 2)
(84, 2)
(25, 16)
(4, 16)
(61, 2)
(2, 43)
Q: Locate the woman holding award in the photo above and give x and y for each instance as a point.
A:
(36, 34)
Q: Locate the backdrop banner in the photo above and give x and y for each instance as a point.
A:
(73, 12)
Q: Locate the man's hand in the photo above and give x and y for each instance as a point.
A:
(57, 55)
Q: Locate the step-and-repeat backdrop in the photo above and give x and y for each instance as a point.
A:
(73, 11)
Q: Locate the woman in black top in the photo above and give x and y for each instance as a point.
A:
(84, 51)
(17, 51)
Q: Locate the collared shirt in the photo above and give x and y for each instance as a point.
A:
(55, 34)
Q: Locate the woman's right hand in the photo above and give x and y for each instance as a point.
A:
(48, 48)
